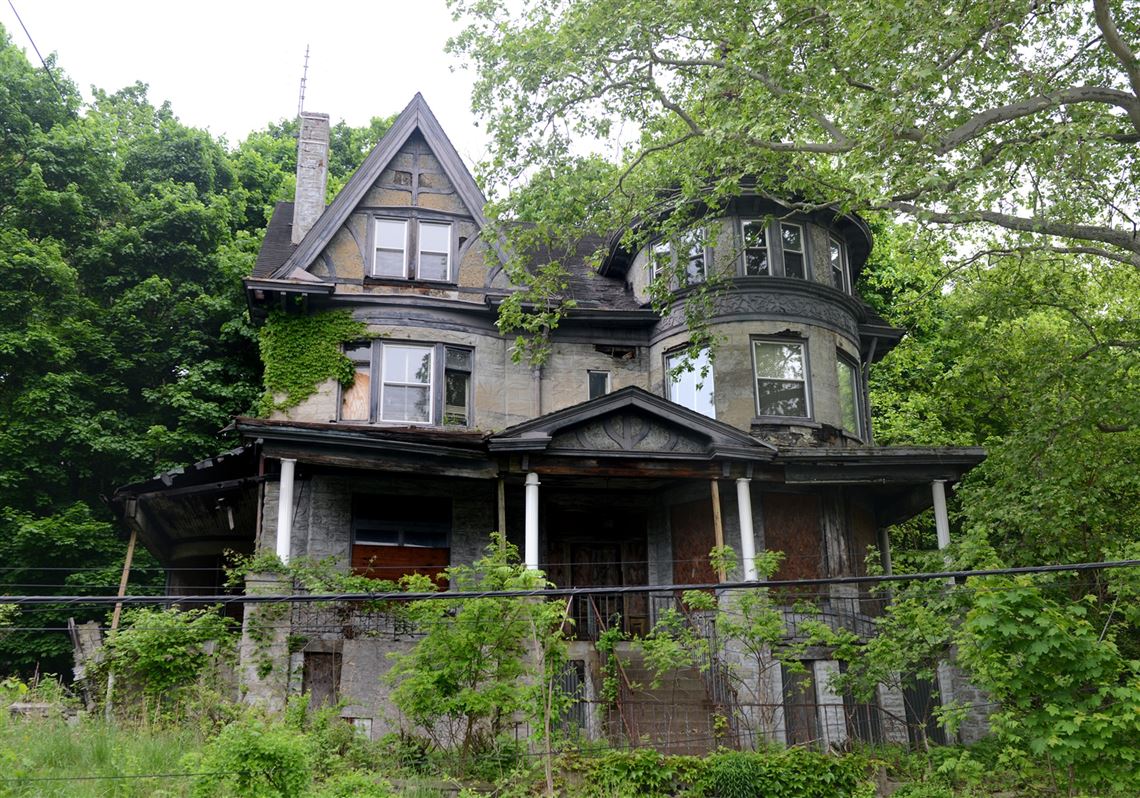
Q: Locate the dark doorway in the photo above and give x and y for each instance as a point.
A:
(604, 547)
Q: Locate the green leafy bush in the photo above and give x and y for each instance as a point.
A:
(794, 773)
(252, 758)
(354, 784)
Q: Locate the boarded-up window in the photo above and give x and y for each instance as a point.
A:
(321, 678)
(791, 525)
(398, 535)
(691, 525)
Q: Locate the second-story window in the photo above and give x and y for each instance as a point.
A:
(755, 236)
(781, 379)
(837, 257)
(792, 242)
(689, 382)
(412, 250)
(408, 383)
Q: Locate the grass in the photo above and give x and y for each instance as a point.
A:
(49, 758)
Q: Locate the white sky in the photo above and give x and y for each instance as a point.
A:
(233, 67)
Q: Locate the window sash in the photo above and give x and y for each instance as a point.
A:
(792, 244)
(598, 383)
(434, 259)
(849, 396)
(689, 389)
(406, 397)
(389, 257)
(837, 257)
(754, 235)
(781, 373)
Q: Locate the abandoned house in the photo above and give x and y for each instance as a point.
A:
(605, 466)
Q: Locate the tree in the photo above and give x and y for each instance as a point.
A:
(1018, 116)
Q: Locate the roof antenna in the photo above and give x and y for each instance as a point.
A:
(304, 79)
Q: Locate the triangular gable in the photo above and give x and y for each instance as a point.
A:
(631, 422)
(417, 116)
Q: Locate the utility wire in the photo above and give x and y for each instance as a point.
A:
(47, 69)
(397, 596)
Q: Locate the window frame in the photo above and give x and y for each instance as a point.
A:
(844, 263)
(437, 386)
(665, 255)
(413, 247)
(710, 378)
(844, 359)
(809, 404)
(805, 264)
(767, 225)
(589, 388)
(384, 381)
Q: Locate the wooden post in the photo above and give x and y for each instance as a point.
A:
(119, 610)
(718, 524)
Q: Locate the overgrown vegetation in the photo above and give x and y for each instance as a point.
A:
(299, 351)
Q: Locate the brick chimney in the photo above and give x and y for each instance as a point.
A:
(312, 172)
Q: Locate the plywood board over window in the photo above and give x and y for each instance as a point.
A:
(791, 525)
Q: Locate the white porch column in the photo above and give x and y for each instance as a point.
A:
(285, 510)
(941, 519)
(530, 551)
(747, 538)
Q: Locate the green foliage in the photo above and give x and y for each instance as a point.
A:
(794, 773)
(159, 651)
(640, 773)
(354, 784)
(1065, 692)
(253, 758)
(300, 351)
(483, 659)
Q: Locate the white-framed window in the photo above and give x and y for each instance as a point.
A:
(406, 383)
(598, 383)
(792, 243)
(689, 381)
(390, 258)
(837, 259)
(781, 370)
(660, 259)
(754, 234)
(412, 249)
(434, 262)
(849, 395)
(397, 382)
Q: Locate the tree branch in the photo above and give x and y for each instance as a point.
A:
(1117, 45)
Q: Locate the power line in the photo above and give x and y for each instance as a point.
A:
(398, 596)
(32, 41)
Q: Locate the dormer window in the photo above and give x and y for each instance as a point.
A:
(395, 240)
(792, 242)
(755, 236)
(837, 257)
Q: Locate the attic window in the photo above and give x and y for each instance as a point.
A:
(412, 249)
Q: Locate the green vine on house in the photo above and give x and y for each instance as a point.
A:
(300, 351)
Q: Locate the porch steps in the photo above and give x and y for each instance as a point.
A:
(675, 716)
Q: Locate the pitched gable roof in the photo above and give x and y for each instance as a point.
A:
(719, 439)
(416, 116)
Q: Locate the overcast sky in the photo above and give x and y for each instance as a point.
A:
(233, 67)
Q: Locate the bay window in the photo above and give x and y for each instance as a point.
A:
(849, 395)
(792, 242)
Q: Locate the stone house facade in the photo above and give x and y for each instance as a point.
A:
(607, 466)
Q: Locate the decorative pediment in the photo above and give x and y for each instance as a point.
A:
(630, 423)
